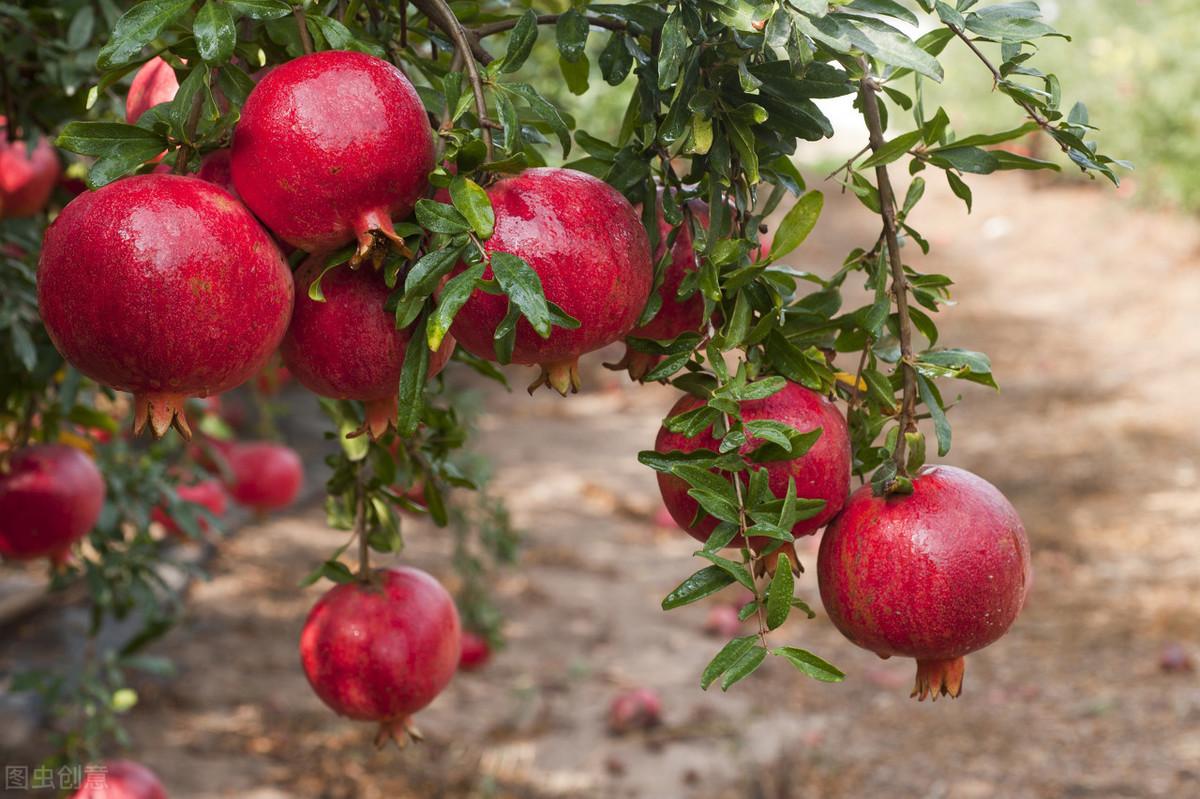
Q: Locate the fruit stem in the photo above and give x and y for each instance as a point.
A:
(302, 26)
(887, 199)
(360, 526)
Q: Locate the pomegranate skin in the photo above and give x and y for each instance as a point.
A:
(330, 147)
(121, 779)
(348, 347)
(587, 245)
(154, 83)
(28, 174)
(821, 473)
(164, 286)
(381, 651)
(216, 169)
(50, 498)
(934, 575)
(264, 475)
(208, 494)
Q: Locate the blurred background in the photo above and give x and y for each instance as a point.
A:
(1084, 296)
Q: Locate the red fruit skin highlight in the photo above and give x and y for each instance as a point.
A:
(208, 494)
(49, 499)
(154, 83)
(121, 779)
(264, 475)
(381, 651)
(821, 473)
(587, 245)
(348, 347)
(28, 173)
(934, 575)
(330, 147)
(164, 286)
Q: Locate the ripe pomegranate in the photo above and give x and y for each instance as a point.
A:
(208, 494)
(121, 779)
(330, 147)
(381, 651)
(28, 173)
(934, 575)
(263, 475)
(476, 652)
(153, 83)
(216, 169)
(821, 473)
(348, 347)
(676, 316)
(164, 286)
(587, 245)
(50, 497)
(636, 709)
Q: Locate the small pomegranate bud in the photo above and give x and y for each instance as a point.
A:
(636, 709)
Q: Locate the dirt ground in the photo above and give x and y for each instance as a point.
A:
(1087, 306)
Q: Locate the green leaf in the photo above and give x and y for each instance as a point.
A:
(703, 583)
(672, 50)
(337, 35)
(104, 138)
(892, 150)
(136, 28)
(576, 74)
(743, 667)
(941, 425)
(889, 8)
(261, 9)
(698, 477)
(966, 159)
(413, 375)
(215, 33)
(440, 218)
(473, 203)
(523, 286)
(572, 33)
(890, 46)
(520, 42)
(797, 224)
(425, 274)
(779, 599)
(545, 110)
(735, 570)
(615, 60)
(731, 653)
(455, 294)
(960, 188)
(808, 663)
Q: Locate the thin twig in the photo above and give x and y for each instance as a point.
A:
(887, 201)
(545, 19)
(302, 26)
(360, 527)
(849, 162)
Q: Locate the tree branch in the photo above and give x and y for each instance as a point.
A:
(546, 19)
(302, 26)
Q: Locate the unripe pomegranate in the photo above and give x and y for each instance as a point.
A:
(50, 497)
(208, 494)
(821, 473)
(164, 286)
(28, 172)
(330, 147)
(676, 316)
(263, 475)
(121, 779)
(154, 83)
(476, 651)
(934, 575)
(348, 347)
(587, 245)
(381, 651)
(636, 709)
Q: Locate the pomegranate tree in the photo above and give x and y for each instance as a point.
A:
(330, 148)
(382, 649)
(166, 287)
(121, 779)
(50, 497)
(932, 575)
(28, 173)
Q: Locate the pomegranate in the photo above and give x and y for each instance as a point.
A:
(381, 651)
(50, 497)
(676, 316)
(821, 473)
(120, 779)
(587, 245)
(28, 173)
(164, 286)
(476, 651)
(636, 709)
(263, 475)
(934, 575)
(153, 83)
(722, 621)
(348, 347)
(330, 147)
(215, 169)
(208, 494)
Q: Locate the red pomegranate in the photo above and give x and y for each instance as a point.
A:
(381, 651)
(50, 497)
(215, 169)
(153, 83)
(821, 473)
(330, 147)
(476, 652)
(28, 173)
(120, 779)
(635, 709)
(676, 316)
(587, 245)
(208, 494)
(348, 347)
(263, 475)
(166, 287)
(934, 575)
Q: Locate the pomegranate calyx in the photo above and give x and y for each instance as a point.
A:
(767, 564)
(562, 376)
(939, 678)
(161, 412)
(398, 731)
(380, 415)
(370, 225)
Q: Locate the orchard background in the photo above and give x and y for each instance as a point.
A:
(179, 651)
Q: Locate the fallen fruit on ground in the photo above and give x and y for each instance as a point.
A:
(50, 497)
(120, 779)
(382, 650)
(635, 709)
(263, 475)
(208, 494)
(330, 148)
(476, 651)
(588, 247)
(934, 575)
(347, 346)
(166, 287)
(28, 173)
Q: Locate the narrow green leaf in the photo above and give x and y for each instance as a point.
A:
(797, 224)
(440, 218)
(455, 294)
(892, 150)
(523, 286)
(473, 203)
(808, 663)
(743, 667)
(136, 28)
(779, 599)
(703, 583)
(215, 33)
(413, 375)
(261, 9)
(731, 653)
(571, 32)
(520, 42)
